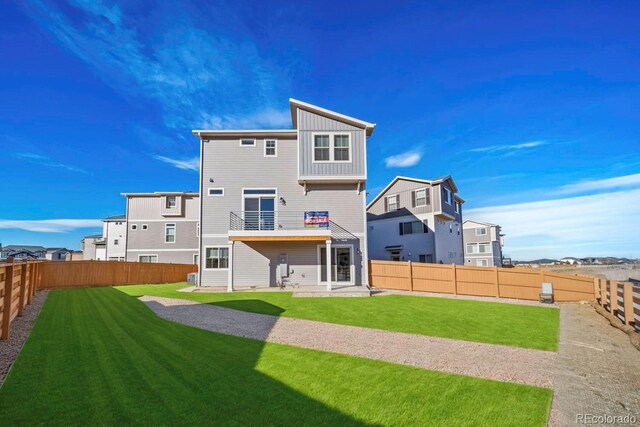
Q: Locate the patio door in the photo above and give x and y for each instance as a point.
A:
(341, 260)
(259, 212)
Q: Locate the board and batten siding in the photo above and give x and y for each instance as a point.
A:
(310, 124)
(403, 189)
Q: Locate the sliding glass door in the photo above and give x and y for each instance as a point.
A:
(340, 264)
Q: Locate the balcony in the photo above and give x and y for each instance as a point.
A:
(254, 226)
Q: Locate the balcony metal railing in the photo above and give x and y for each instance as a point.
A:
(272, 221)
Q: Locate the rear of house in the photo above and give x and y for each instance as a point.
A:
(417, 220)
(483, 244)
(285, 206)
(162, 227)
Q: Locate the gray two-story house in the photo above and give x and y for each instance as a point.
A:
(483, 244)
(162, 227)
(417, 220)
(285, 206)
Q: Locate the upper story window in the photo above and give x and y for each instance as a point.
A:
(341, 148)
(270, 148)
(391, 203)
(170, 233)
(145, 226)
(481, 231)
(446, 195)
(457, 205)
(420, 197)
(332, 147)
(247, 142)
(172, 202)
(321, 152)
(413, 227)
(134, 227)
(216, 191)
(115, 241)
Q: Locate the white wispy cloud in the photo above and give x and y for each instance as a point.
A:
(602, 224)
(507, 148)
(39, 159)
(617, 182)
(50, 225)
(187, 164)
(404, 160)
(212, 76)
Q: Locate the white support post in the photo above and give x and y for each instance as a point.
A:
(230, 271)
(329, 265)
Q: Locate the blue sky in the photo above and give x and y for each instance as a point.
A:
(532, 107)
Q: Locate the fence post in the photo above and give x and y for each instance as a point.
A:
(23, 288)
(596, 287)
(497, 282)
(627, 299)
(613, 297)
(603, 293)
(410, 276)
(455, 280)
(31, 283)
(8, 294)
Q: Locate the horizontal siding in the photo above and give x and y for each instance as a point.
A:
(176, 257)
(151, 208)
(403, 189)
(310, 123)
(153, 238)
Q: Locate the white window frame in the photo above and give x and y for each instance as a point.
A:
(194, 259)
(134, 227)
(174, 198)
(145, 227)
(275, 147)
(449, 196)
(215, 195)
(456, 205)
(204, 265)
(482, 262)
(397, 202)
(150, 262)
(175, 232)
(415, 197)
(487, 245)
(247, 139)
(483, 229)
(471, 248)
(116, 241)
(332, 147)
(352, 267)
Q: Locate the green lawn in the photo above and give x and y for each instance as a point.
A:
(489, 322)
(99, 357)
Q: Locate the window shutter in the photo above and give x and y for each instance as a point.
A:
(386, 206)
(413, 199)
(425, 226)
(401, 228)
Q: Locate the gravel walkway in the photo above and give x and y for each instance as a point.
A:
(597, 371)
(496, 362)
(20, 329)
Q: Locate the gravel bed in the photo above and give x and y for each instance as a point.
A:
(382, 292)
(20, 329)
(597, 370)
(496, 362)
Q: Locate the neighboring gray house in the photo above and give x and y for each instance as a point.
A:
(162, 227)
(483, 244)
(416, 220)
(58, 254)
(285, 206)
(114, 232)
(19, 252)
(93, 248)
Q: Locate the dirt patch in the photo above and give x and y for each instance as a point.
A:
(20, 329)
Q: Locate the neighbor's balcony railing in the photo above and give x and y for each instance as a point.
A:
(274, 221)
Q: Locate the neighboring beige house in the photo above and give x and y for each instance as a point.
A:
(58, 254)
(418, 220)
(285, 206)
(93, 248)
(162, 227)
(483, 244)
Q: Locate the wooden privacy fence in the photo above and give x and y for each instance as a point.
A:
(18, 283)
(519, 283)
(84, 274)
(622, 299)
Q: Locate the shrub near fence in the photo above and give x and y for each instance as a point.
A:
(83, 274)
(519, 283)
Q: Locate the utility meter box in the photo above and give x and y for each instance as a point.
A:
(283, 265)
